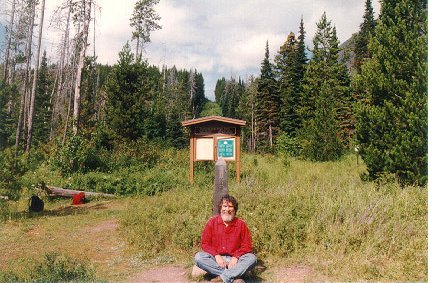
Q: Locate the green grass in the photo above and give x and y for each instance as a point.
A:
(320, 215)
(53, 268)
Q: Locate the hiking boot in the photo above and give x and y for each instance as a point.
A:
(216, 279)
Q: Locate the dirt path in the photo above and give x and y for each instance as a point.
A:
(179, 274)
(161, 274)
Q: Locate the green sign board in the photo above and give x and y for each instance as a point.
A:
(225, 148)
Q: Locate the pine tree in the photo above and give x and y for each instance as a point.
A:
(291, 62)
(219, 90)
(174, 132)
(127, 90)
(392, 117)
(6, 119)
(285, 65)
(246, 111)
(230, 97)
(326, 82)
(88, 100)
(155, 119)
(322, 141)
(42, 103)
(267, 104)
(199, 94)
(367, 29)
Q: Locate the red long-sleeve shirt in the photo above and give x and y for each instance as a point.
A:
(234, 239)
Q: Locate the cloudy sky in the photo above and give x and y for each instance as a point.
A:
(216, 37)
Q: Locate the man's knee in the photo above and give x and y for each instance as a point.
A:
(198, 257)
(201, 256)
(249, 259)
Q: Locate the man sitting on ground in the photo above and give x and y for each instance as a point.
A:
(226, 244)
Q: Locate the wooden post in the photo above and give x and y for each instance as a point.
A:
(192, 157)
(237, 159)
(220, 183)
(356, 150)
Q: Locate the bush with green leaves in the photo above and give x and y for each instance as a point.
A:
(288, 145)
(128, 181)
(78, 155)
(11, 169)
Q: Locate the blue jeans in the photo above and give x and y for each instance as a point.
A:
(208, 263)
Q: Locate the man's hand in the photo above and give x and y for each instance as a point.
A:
(232, 262)
(220, 261)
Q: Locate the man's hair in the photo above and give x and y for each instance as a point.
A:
(231, 199)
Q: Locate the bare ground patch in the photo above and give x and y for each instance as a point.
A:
(161, 274)
(293, 274)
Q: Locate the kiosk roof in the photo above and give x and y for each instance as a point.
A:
(213, 118)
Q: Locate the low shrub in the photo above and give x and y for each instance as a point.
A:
(288, 146)
(125, 182)
(78, 155)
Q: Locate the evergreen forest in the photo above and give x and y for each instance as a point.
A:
(315, 103)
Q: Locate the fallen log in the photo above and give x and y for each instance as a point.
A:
(67, 193)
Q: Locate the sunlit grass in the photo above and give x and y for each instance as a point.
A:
(321, 215)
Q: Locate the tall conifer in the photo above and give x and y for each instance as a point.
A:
(367, 30)
(267, 103)
(392, 117)
(219, 90)
(42, 103)
(291, 62)
(326, 93)
(127, 90)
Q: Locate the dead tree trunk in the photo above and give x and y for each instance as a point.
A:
(26, 79)
(84, 40)
(34, 83)
(8, 42)
(64, 136)
(61, 192)
(64, 53)
(137, 47)
(69, 97)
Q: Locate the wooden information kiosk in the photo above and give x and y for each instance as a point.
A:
(214, 137)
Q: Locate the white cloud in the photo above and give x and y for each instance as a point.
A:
(249, 51)
(217, 37)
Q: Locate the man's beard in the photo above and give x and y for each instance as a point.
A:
(227, 217)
